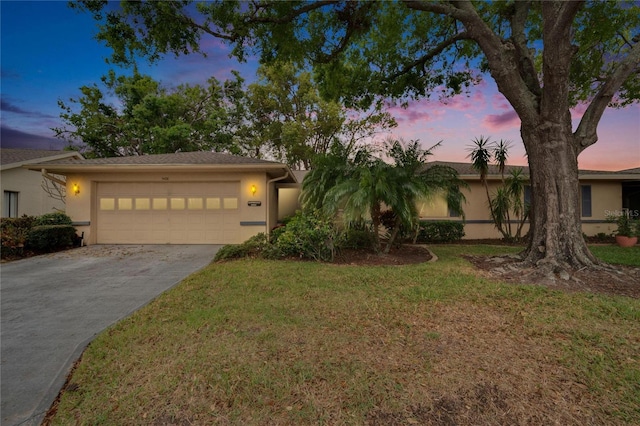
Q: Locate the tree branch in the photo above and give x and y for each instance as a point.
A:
(586, 133)
(527, 67)
(291, 16)
(430, 55)
(442, 8)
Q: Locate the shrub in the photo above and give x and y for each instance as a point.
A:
(357, 238)
(51, 237)
(440, 231)
(230, 251)
(308, 235)
(388, 219)
(256, 246)
(56, 218)
(15, 232)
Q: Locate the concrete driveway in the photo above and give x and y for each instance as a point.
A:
(53, 306)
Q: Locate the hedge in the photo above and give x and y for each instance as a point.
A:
(51, 237)
(440, 231)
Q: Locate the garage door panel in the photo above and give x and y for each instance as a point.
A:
(169, 212)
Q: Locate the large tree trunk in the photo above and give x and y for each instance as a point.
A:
(555, 235)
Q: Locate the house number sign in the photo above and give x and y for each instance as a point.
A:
(254, 203)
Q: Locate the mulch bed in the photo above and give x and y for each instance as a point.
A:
(404, 255)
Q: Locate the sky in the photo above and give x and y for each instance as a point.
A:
(48, 51)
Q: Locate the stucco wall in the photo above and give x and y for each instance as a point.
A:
(32, 199)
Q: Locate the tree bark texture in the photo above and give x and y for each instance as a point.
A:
(555, 235)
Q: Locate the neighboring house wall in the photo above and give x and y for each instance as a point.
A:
(32, 200)
(605, 198)
(252, 218)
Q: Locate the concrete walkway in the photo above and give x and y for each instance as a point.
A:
(52, 306)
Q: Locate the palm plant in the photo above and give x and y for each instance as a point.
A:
(371, 184)
(480, 155)
(508, 198)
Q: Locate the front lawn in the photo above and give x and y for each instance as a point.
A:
(255, 342)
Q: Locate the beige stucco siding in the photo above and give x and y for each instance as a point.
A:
(32, 199)
(606, 197)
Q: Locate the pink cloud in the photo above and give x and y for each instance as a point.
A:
(416, 112)
(499, 102)
(505, 120)
(578, 111)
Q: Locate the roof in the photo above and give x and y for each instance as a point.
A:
(466, 170)
(194, 161)
(11, 158)
(634, 170)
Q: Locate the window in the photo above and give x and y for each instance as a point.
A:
(159, 203)
(213, 203)
(194, 203)
(10, 207)
(230, 203)
(452, 211)
(177, 204)
(125, 203)
(142, 204)
(585, 200)
(107, 203)
(527, 196)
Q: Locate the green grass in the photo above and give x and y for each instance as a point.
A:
(278, 342)
(617, 255)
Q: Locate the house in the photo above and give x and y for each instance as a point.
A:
(216, 198)
(22, 190)
(181, 198)
(602, 193)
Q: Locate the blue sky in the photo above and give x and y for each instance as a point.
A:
(48, 52)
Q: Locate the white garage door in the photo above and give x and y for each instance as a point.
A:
(168, 213)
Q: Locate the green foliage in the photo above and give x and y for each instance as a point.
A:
(357, 237)
(231, 251)
(507, 201)
(390, 221)
(308, 235)
(57, 218)
(440, 231)
(627, 225)
(48, 238)
(357, 186)
(14, 232)
(257, 246)
(152, 118)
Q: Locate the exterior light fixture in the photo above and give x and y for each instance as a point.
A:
(76, 188)
(253, 190)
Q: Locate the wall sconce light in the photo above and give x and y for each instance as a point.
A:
(76, 188)
(253, 190)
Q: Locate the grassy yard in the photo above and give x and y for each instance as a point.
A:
(292, 343)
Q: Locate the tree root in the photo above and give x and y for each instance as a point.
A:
(596, 278)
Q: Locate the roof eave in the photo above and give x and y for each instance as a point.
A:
(65, 169)
(41, 160)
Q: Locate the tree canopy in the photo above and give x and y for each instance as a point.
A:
(545, 57)
(136, 116)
